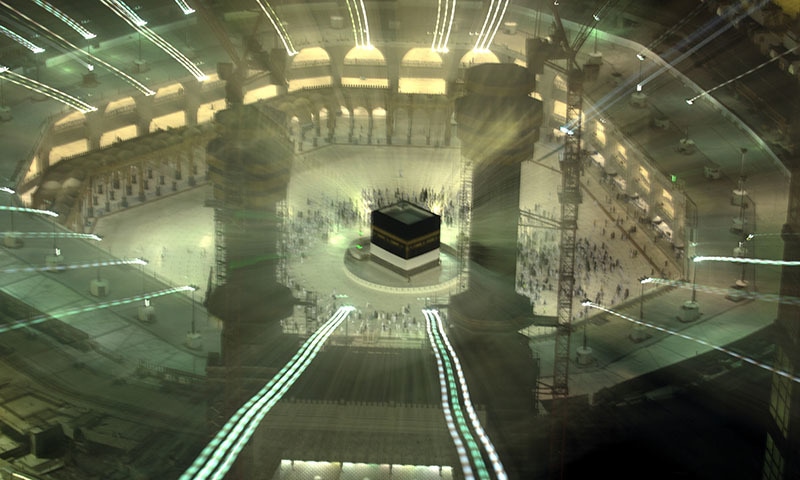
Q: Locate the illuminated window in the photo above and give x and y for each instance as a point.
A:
(365, 82)
(622, 152)
(600, 133)
(779, 404)
(33, 169)
(427, 86)
(206, 111)
(644, 179)
(645, 175)
(170, 120)
(117, 135)
(122, 105)
(560, 110)
(773, 461)
(560, 83)
(261, 93)
(666, 203)
(67, 150)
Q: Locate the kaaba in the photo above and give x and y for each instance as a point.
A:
(405, 238)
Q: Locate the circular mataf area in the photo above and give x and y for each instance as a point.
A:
(361, 269)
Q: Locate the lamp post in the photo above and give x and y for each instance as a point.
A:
(11, 239)
(193, 337)
(694, 281)
(193, 325)
(641, 61)
(690, 310)
(639, 332)
(742, 283)
(641, 298)
(639, 98)
(584, 352)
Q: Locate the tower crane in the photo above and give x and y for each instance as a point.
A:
(235, 74)
(569, 193)
(570, 198)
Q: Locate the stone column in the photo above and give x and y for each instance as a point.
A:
(144, 114)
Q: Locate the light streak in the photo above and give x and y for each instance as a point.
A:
(126, 14)
(483, 27)
(185, 8)
(690, 101)
(700, 7)
(356, 30)
(278, 26)
(366, 25)
(696, 340)
(490, 27)
(444, 25)
(7, 190)
(46, 90)
(77, 50)
(707, 36)
(68, 312)
(66, 19)
(84, 236)
(767, 297)
(217, 457)
(75, 266)
(360, 23)
(28, 210)
(497, 24)
(22, 41)
(488, 447)
(750, 261)
(444, 381)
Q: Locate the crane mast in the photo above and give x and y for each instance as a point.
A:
(569, 196)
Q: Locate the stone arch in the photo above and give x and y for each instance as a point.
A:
(120, 105)
(311, 56)
(303, 110)
(421, 57)
(421, 72)
(364, 56)
(476, 57)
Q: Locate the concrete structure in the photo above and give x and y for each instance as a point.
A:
(348, 96)
(498, 127)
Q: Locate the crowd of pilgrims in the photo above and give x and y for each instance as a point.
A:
(442, 202)
(599, 275)
(367, 322)
(328, 214)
